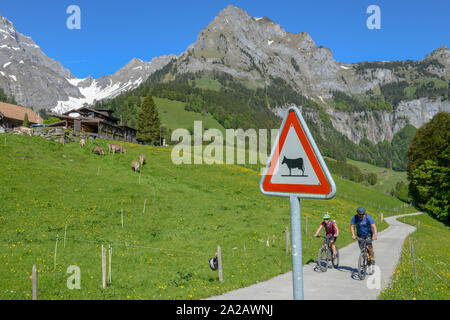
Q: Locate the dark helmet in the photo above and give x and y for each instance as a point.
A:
(361, 210)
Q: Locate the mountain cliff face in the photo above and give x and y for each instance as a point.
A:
(25, 70)
(256, 50)
(368, 99)
(40, 82)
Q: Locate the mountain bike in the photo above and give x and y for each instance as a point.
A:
(364, 260)
(325, 255)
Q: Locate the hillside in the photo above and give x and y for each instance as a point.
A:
(235, 106)
(431, 263)
(162, 252)
(263, 65)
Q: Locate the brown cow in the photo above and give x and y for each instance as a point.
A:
(82, 143)
(115, 147)
(98, 150)
(135, 166)
(142, 160)
(112, 148)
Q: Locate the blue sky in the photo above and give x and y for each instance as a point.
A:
(114, 32)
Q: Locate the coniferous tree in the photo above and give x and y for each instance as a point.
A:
(26, 122)
(148, 123)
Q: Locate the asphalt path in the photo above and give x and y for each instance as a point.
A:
(342, 283)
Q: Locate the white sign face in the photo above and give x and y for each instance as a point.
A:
(293, 166)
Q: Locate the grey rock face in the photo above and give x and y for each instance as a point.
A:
(106, 87)
(28, 74)
(252, 50)
(255, 49)
(40, 82)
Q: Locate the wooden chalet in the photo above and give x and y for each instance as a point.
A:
(12, 116)
(98, 122)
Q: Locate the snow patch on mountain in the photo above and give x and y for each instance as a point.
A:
(94, 92)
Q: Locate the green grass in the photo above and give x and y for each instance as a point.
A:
(430, 242)
(173, 116)
(161, 253)
(207, 84)
(386, 178)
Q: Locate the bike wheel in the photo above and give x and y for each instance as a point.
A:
(322, 259)
(362, 266)
(335, 261)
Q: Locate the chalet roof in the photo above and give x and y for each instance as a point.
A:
(104, 112)
(12, 111)
(83, 119)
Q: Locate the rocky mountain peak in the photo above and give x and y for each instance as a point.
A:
(442, 54)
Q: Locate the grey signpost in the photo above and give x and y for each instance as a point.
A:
(283, 189)
(297, 268)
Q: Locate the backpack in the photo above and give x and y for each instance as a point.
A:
(367, 221)
(333, 224)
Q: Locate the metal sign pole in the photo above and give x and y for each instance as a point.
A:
(296, 232)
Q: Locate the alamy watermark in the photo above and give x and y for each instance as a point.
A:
(374, 280)
(74, 20)
(374, 20)
(74, 281)
(236, 147)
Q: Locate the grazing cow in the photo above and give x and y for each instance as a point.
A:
(142, 160)
(135, 166)
(115, 147)
(98, 150)
(82, 143)
(294, 164)
(112, 148)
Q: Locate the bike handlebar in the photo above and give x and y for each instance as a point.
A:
(325, 237)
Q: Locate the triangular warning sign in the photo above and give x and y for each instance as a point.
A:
(295, 166)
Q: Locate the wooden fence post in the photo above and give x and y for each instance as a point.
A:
(56, 250)
(65, 231)
(121, 212)
(104, 267)
(35, 284)
(414, 258)
(219, 260)
(109, 268)
(143, 211)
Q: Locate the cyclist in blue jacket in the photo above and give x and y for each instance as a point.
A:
(365, 228)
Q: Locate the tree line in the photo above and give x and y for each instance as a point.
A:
(429, 167)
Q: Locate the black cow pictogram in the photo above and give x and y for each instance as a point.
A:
(294, 164)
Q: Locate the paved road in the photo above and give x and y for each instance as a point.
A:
(337, 284)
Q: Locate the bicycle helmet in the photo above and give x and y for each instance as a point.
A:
(326, 216)
(361, 210)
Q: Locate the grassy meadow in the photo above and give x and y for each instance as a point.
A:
(386, 178)
(161, 252)
(174, 116)
(432, 259)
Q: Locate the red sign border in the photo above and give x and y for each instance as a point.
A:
(324, 187)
